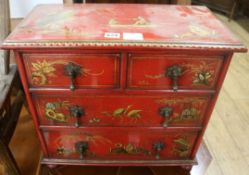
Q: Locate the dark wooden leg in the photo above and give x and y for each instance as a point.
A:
(118, 171)
(48, 170)
(231, 15)
(7, 160)
(187, 167)
(52, 166)
(152, 170)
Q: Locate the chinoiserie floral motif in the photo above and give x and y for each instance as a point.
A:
(133, 114)
(190, 109)
(136, 22)
(181, 147)
(62, 151)
(91, 138)
(129, 149)
(52, 111)
(55, 24)
(65, 143)
(202, 77)
(197, 31)
(42, 70)
(94, 120)
(202, 74)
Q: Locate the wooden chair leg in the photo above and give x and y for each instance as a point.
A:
(231, 15)
(7, 160)
(4, 31)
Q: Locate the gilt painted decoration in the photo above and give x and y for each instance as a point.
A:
(109, 145)
(58, 25)
(197, 72)
(122, 111)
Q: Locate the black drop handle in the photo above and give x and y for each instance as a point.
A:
(158, 147)
(72, 70)
(174, 72)
(77, 112)
(81, 147)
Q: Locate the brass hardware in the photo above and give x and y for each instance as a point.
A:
(174, 72)
(158, 147)
(77, 112)
(81, 148)
(165, 112)
(72, 70)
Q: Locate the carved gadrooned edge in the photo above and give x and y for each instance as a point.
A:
(59, 44)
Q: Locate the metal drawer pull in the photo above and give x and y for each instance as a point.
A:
(81, 148)
(165, 112)
(158, 147)
(72, 70)
(174, 72)
(77, 112)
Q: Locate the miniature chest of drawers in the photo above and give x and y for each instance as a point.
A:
(121, 84)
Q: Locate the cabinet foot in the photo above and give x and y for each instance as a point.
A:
(50, 170)
(118, 170)
(187, 167)
(152, 171)
(52, 166)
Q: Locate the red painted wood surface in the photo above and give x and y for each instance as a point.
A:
(149, 71)
(120, 144)
(107, 25)
(121, 102)
(122, 110)
(32, 109)
(227, 62)
(97, 70)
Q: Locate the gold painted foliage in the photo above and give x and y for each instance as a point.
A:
(202, 74)
(43, 66)
(129, 149)
(138, 22)
(52, 111)
(125, 112)
(41, 70)
(181, 147)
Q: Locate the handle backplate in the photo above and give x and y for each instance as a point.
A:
(165, 112)
(174, 72)
(81, 147)
(72, 70)
(158, 147)
(77, 112)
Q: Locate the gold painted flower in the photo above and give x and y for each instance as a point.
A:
(43, 67)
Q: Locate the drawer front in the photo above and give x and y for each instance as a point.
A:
(167, 72)
(121, 110)
(83, 70)
(119, 144)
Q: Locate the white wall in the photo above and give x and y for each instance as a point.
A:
(20, 8)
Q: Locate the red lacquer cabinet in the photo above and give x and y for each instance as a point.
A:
(121, 84)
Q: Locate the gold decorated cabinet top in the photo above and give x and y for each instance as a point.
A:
(122, 25)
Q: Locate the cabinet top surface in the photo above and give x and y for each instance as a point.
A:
(122, 25)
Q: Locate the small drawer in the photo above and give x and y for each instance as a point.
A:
(73, 70)
(122, 110)
(119, 144)
(173, 72)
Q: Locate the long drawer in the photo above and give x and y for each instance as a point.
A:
(122, 110)
(119, 144)
(80, 70)
(173, 71)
